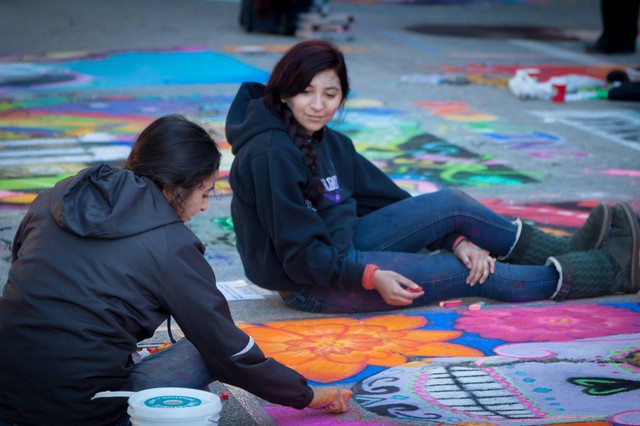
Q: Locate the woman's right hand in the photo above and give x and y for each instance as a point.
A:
(396, 289)
(332, 399)
(478, 261)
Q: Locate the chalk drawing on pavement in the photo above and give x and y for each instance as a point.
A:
(45, 139)
(526, 384)
(621, 172)
(560, 218)
(535, 143)
(122, 69)
(42, 134)
(429, 158)
(534, 365)
(619, 126)
(419, 162)
(341, 349)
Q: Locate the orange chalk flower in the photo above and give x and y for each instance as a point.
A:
(331, 349)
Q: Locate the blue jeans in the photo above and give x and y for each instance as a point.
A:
(394, 238)
(179, 365)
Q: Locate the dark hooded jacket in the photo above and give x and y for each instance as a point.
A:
(282, 239)
(98, 263)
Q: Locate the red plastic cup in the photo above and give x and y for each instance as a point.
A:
(558, 91)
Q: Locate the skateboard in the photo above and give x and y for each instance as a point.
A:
(325, 26)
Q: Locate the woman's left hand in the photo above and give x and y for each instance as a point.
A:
(332, 399)
(478, 261)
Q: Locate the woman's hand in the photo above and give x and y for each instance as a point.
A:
(396, 289)
(478, 261)
(332, 399)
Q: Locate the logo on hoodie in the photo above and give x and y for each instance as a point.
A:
(332, 189)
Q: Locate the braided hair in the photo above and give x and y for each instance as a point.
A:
(291, 75)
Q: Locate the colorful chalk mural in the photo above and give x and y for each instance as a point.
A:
(495, 130)
(532, 365)
(622, 126)
(45, 139)
(61, 111)
(54, 133)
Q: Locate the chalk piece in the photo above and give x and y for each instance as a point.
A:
(476, 306)
(415, 290)
(454, 303)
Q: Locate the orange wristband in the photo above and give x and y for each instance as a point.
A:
(367, 277)
(457, 242)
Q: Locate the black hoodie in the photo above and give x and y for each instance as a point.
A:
(282, 239)
(98, 263)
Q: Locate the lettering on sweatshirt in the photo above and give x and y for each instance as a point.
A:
(332, 189)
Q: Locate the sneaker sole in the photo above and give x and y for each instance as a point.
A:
(606, 222)
(635, 256)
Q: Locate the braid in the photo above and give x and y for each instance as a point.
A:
(314, 191)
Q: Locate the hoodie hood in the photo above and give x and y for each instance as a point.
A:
(109, 203)
(248, 116)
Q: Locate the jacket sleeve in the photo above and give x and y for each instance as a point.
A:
(17, 240)
(301, 240)
(372, 188)
(201, 311)
(21, 232)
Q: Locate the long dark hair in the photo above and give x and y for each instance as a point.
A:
(291, 75)
(176, 154)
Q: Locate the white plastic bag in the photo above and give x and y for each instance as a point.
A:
(524, 86)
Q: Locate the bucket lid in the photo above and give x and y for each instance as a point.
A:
(173, 403)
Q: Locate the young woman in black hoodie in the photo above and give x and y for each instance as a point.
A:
(326, 228)
(98, 263)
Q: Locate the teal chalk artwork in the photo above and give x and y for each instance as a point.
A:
(136, 69)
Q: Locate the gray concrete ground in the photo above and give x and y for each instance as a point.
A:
(381, 52)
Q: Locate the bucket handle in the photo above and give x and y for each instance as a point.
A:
(112, 394)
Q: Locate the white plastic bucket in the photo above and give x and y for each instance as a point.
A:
(175, 407)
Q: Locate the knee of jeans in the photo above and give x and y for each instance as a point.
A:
(140, 380)
(457, 197)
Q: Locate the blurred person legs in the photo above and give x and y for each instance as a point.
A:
(620, 27)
